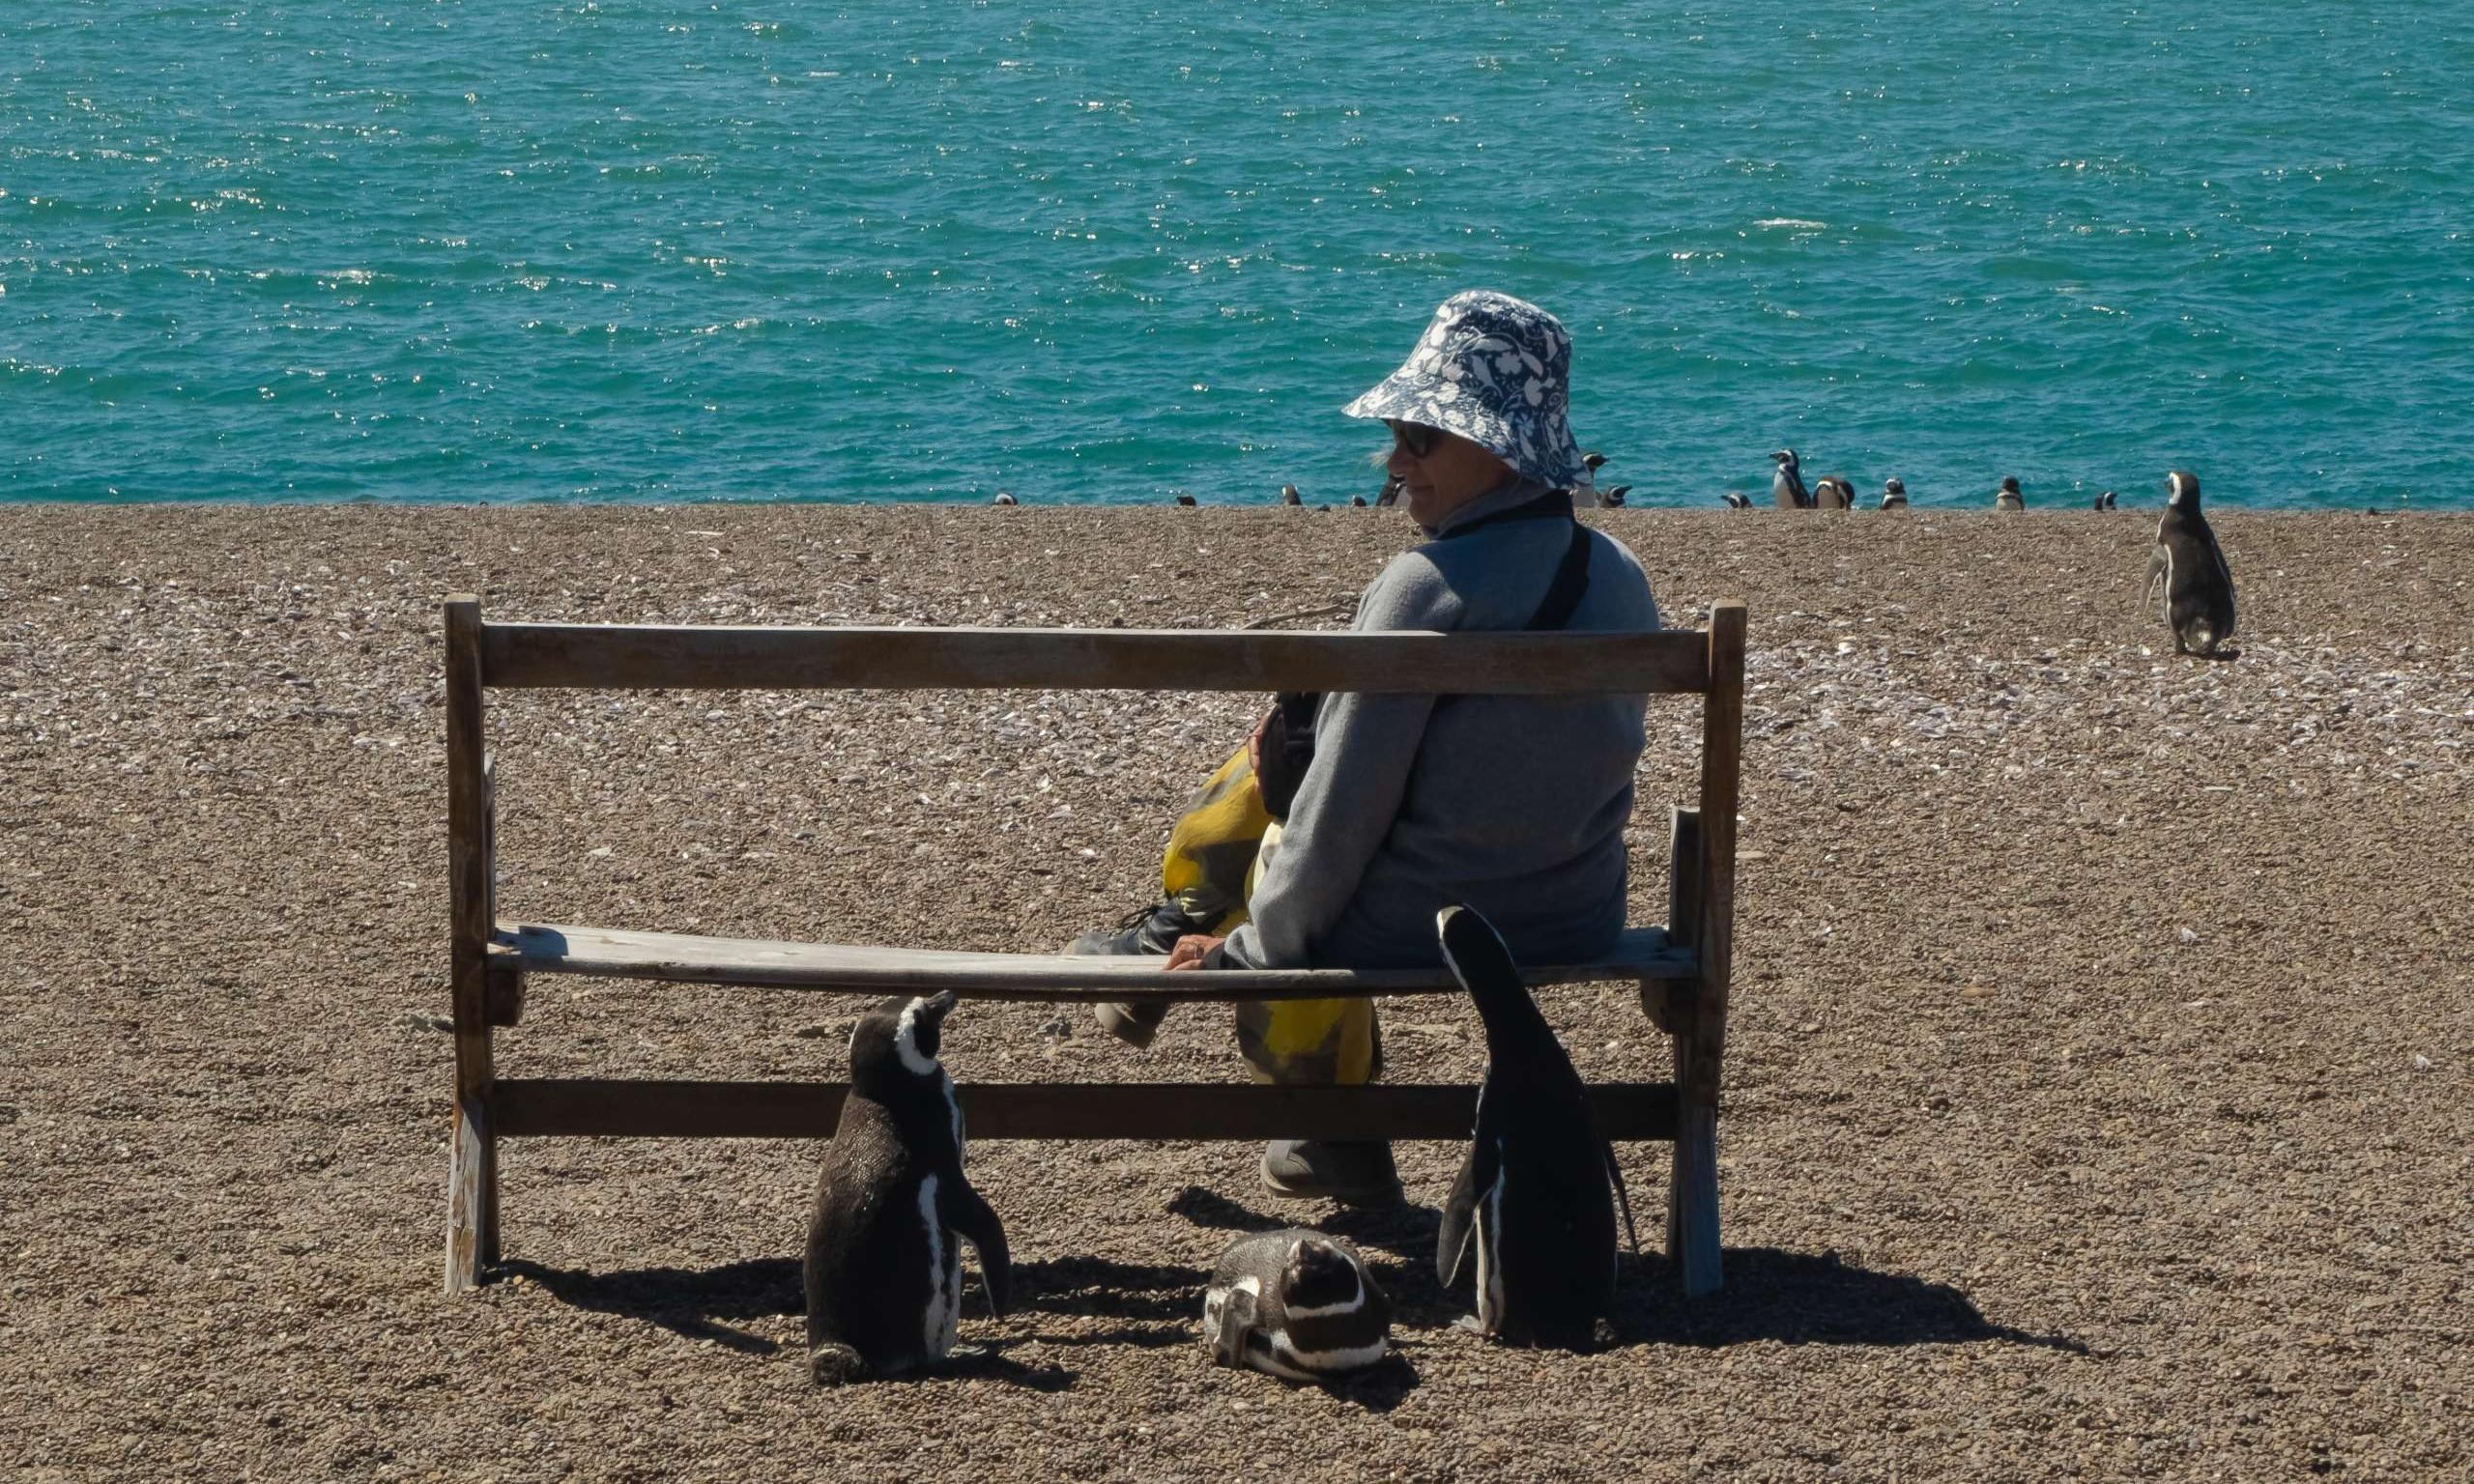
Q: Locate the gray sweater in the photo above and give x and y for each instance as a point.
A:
(1513, 805)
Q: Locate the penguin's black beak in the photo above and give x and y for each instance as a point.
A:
(937, 1007)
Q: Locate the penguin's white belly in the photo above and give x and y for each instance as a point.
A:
(940, 1319)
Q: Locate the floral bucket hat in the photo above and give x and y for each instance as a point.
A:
(1494, 370)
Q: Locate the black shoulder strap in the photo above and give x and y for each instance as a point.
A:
(1288, 748)
(1572, 583)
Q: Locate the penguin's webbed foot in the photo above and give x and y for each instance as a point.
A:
(832, 1364)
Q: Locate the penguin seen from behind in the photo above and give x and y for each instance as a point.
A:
(1533, 1205)
(883, 1263)
(2008, 498)
(2190, 568)
(1288, 495)
(1295, 1304)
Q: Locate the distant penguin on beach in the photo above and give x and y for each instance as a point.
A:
(1615, 496)
(1187, 501)
(892, 1208)
(1894, 493)
(2190, 568)
(1787, 487)
(2008, 498)
(1288, 495)
(1357, 501)
(1295, 1304)
(1003, 498)
(1834, 493)
(2105, 501)
(1737, 500)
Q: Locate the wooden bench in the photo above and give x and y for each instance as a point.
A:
(1681, 968)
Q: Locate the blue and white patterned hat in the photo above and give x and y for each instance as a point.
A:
(1493, 369)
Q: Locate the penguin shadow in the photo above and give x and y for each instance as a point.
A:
(1804, 1298)
(1161, 1301)
(700, 1304)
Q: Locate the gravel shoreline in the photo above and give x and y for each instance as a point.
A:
(2097, 1098)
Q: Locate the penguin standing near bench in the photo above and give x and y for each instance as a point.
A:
(1295, 1304)
(883, 1263)
(2188, 565)
(1535, 1201)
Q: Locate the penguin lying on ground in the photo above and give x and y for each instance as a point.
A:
(1295, 1304)
(1787, 487)
(1534, 1199)
(883, 1267)
(1737, 500)
(1614, 499)
(2199, 587)
(1834, 493)
(1895, 495)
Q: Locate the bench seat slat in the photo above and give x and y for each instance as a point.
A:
(626, 1108)
(1640, 953)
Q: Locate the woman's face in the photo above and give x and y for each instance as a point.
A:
(1449, 473)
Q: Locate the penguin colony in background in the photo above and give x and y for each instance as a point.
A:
(892, 1208)
(1786, 491)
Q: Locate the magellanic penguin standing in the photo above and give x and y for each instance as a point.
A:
(1834, 493)
(1895, 495)
(2008, 498)
(2199, 587)
(1295, 1304)
(883, 1267)
(1534, 1199)
(1787, 486)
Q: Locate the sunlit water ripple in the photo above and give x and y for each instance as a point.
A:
(662, 250)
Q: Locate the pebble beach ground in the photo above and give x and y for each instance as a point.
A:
(2097, 1092)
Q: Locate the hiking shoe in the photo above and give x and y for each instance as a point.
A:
(1152, 929)
(1353, 1174)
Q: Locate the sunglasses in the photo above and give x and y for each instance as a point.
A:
(1416, 439)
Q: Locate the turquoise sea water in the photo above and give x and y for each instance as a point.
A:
(759, 248)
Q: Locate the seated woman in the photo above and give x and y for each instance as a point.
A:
(1514, 805)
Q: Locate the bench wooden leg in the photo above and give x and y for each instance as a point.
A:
(1692, 1198)
(472, 1199)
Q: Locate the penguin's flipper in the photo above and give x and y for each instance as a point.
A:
(1236, 1326)
(1459, 1236)
(1622, 1197)
(964, 1211)
(1459, 1222)
(2160, 572)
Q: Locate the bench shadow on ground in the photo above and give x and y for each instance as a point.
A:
(713, 1303)
(1791, 1298)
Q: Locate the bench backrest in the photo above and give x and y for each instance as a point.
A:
(625, 656)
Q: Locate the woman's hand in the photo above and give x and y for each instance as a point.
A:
(1193, 950)
(1254, 747)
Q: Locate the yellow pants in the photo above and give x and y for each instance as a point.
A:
(1215, 856)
